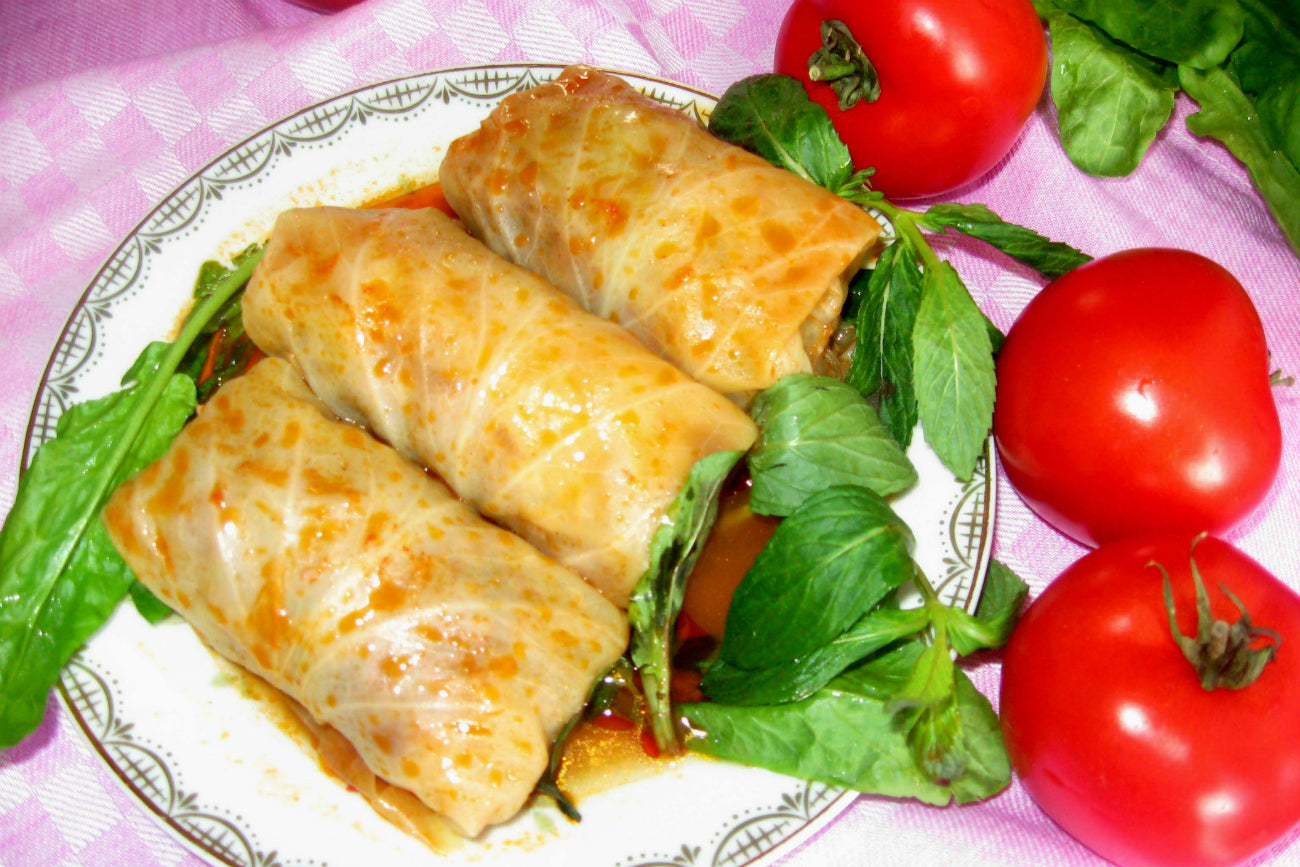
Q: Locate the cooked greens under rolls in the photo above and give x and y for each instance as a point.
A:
(729, 267)
(448, 651)
(551, 421)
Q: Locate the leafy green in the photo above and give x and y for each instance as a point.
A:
(1226, 115)
(657, 597)
(798, 679)
(1114, 77)
(60, 577)
(1110, 100)
(953, 368)
(848, 734)
(1047, 257)
(826, 565)
(221, 350)
(814, 433)
(772, 116)
(1198, 33)
(882, 358)
(150, 607)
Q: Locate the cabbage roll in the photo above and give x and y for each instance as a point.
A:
(733, 269)
(549, 420)
(448, 651)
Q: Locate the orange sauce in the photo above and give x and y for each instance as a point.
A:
(429, 196)
(737, 538)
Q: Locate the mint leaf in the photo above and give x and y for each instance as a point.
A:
(826, 565)
(814, 433)
(772, 116)
(1047, 257)
(954, 371)
(882, 358)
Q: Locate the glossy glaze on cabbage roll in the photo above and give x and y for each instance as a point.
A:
(448, 651)
(551, 421)
(729, 267)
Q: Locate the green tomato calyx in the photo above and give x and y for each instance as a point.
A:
(842, 64)
(1227, 655)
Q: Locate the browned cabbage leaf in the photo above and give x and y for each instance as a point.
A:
(549, 420)
(729, 267)
(448, 651)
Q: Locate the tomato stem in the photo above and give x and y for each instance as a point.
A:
(842, 64)
(1223, 654)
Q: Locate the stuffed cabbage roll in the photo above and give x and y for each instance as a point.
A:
(448, 651)
(727, 266)
(551, 421)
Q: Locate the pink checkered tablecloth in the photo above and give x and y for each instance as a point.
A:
(105, 108)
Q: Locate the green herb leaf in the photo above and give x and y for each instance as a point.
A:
(150, 607)
(846, 735)
(800, 678)
(843, 735)
(657, 597)
(957, 742)
(1198, 33)
(953, 367)
(60, 576)
(1110, 100)
(1228, 115)
(1269, 52)
(772, 116)
(826, 565)
(1279, 112)
(882, 358)
(814, 433)
(1047, 257)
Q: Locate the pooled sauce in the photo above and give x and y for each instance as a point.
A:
(737, 538)
(429, 196)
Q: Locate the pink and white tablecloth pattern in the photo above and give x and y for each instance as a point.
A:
(106, 107)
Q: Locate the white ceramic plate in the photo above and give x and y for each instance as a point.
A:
(173, 723)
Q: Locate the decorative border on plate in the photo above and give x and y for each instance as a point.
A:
(970, 537)
(145, 771)
(756, 832)
(88, 695)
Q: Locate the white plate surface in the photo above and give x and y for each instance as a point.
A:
(175, 725)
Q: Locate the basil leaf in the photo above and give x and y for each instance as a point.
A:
(800, 678)
(1047, 257)
(1110, 100)
(1198, 33)
(772, 116)
(60, 576)
(825, 566)
(814, 433)
(657, 597)
(1228, 115)
(953, 367)
(882, 358)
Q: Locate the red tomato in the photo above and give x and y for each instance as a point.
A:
(958, 80)
(1110, 730)
(1134, 396)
